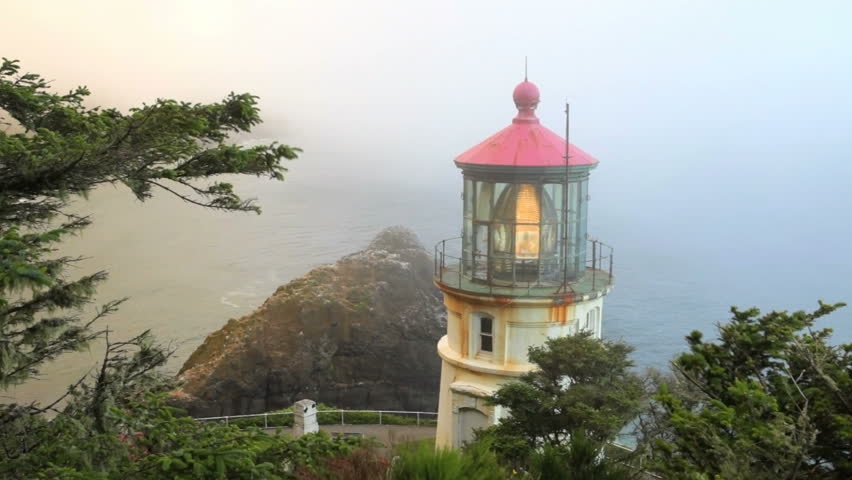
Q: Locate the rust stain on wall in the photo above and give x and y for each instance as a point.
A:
(454, 304)
(464, 333)
(561, 313)
(557, 314)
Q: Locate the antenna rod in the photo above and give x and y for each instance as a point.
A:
(565, 204)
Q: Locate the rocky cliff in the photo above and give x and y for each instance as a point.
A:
(357, 334)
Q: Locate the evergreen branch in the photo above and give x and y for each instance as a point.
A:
(227, 207)
(183, 197)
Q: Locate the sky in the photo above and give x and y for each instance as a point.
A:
(735, 111)
(722, 130)
(422, 79)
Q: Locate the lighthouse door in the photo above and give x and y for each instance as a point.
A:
(469, 419)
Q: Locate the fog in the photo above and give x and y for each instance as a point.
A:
(722, 128)
(651, 83)
(728, 103)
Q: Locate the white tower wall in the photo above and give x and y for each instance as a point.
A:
(469, 374)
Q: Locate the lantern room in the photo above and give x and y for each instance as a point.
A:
(525, 209)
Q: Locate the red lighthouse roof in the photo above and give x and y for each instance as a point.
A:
(525, 143)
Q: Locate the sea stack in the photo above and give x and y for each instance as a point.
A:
(357, 334)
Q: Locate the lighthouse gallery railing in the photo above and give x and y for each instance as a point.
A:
(450, 271)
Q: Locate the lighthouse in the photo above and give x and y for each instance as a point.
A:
(524, 269)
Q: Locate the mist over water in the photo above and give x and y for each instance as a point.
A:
(722, 131)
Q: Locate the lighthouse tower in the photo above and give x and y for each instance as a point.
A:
(524, 269)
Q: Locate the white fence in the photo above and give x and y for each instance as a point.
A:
(384, 417)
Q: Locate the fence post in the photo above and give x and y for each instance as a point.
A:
(226, 420)
(435, 261)
(265, 420)
(341, 418)
(461, 266)
(443, 258)
(610, 266)
(380, 417)
(418, 419)
(305, 417)
(594, 254)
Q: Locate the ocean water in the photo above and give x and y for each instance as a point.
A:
(694, 233)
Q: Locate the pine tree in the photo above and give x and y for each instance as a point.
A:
(582, 386)
(769, 399)
(54, 148)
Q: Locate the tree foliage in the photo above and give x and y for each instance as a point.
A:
(53, 149)
(361, 464)
(769, 399)
(149, 440)
(422, 461)
(581, 386)
(578, 459)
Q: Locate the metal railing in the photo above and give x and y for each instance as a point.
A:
(418, 416)
(451, 268)
(383, 416)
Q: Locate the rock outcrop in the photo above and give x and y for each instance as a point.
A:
(357, 334)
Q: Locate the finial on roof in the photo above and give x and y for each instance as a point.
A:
(526, 99)
(525, 68)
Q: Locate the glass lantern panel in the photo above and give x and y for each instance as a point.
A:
(502, 238)
(480, 245)
(549, 268)
(528, 218)
(467, 244)
(549, 252)
(573, 220)
(520, 204)
(553, 191)
(480, 251)
(484, 200)
(527, 241)
(498, 190)
(549, 209)
(504, 210)
(573, 209)
(468, 198)
(582, 224)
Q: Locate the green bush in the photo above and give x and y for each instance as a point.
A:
(361, 464)
(309, 453)
(272, 420)
(580, 459)
(371, 418)
(423, 462)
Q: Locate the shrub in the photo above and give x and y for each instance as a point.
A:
(581, 459)
(423, 462)
(361, 464)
